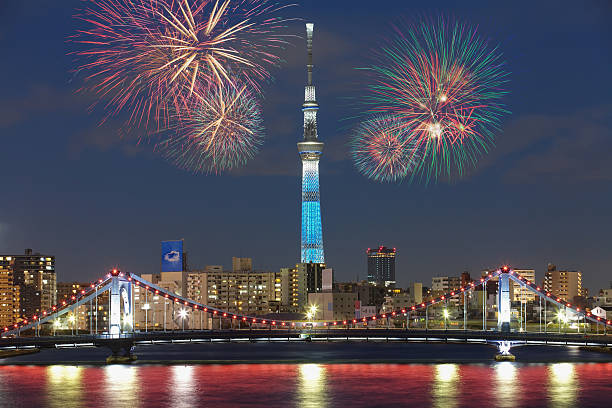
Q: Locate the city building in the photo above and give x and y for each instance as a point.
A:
(65, 290)
(444, 284)
(34, 273)
(9, 296)
(310, 150)
(313, 275)
(368, 294)
(604, 298)
(333, 305)
(518, 292)
(293, 290)
(242, 264)
(381, 265)
(415, 290)
(564, 284)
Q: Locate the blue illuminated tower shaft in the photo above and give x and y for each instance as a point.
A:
(310, 150)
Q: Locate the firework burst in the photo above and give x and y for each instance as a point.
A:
(222, 131)
(382, 151)
(146, 56)
(445, 85)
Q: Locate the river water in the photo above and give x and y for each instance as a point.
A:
(308, 384)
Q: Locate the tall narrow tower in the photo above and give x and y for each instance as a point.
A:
(310, 150)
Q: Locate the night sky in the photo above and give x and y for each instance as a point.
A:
(79, 191)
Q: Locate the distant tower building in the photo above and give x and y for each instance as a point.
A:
(381, 265)
(310, 149)
(242, 264)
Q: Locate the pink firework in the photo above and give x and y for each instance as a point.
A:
(146, 56)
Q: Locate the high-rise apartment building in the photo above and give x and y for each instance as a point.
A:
(293, 290)
(564, 284)
(312, 275)
(9, 296)
(34, 273)
(381, 265)
(519, 293)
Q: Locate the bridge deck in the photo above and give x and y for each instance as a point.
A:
(336, 334)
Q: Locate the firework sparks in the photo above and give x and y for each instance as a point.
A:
(382, 151)
(446, 85)
(147, 56)
(223, 131)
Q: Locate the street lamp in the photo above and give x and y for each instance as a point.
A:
(72, 319)
(183, 315)
(445, 317)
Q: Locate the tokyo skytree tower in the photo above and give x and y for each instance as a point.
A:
(310, 150)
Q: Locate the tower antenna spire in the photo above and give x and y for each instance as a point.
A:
(309, 32)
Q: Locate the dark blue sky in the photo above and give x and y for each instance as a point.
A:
(79, 191)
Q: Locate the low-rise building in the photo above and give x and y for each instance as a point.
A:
(333, 305)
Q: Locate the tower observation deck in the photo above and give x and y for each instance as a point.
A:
(310, 149)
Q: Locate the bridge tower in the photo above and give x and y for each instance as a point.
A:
(120, 295)
(503, 300)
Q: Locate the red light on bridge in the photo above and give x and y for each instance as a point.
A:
(538, 289)
(608, 322)
(166, 296)
(44, 313)
(283, 323)
(335, 323)
(6, 329)
(34, 317)
(63, 303)
(598, 318)
(147, 287)
(263, 322)
(413, 308)
(16, 325)
(206, 309)
(195, 307)
(422, 304)
(384, 316)
(482, 279)
(569, 305)
(577, 309)
(273, 323)
(433, 301)
(373, 317)
(54, 308)
(215, 312)
(364, 319)
(224, 314)
(156, 292)
(392, 313)
(505, 268)
(115, 272)
(234, 317)
(324, 323)
(442, 298)
(292, 323)
(254, 320)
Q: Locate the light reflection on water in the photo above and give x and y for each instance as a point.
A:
(444, 390)
(64, 385)
(563, 386)
(312, 386)
(507, 385)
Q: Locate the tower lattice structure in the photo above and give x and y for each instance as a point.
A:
(310, 150)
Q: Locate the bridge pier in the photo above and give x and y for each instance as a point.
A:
(121, 351)
(503, 301)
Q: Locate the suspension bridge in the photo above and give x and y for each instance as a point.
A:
(121, 336)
